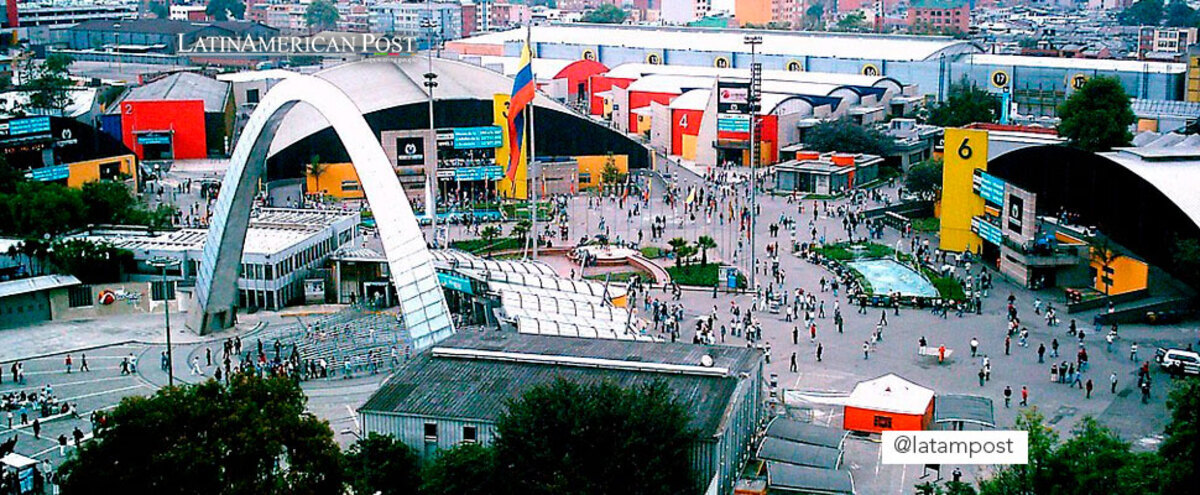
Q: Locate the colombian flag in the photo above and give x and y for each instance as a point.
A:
(522, 97)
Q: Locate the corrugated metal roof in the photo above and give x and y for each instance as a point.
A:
(808, 433)
(800, 454)
(793, 43)
(478, 389)
(1163, 108)
(35, 284)
(182, 86)
(783, 476)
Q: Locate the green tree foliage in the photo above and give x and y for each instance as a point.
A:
(1023, 478)
(49, 85)
(855, 21)
(605, 14)
(521, 229)
(813, 15)
(704, 243)
(1181, 447)
(966, 104)
(159, 10)
(466, 469)
(924, 178)
(846, 137)
(1142, 13)
(571, 438)
(1097, 116)
(383, 465)
(9, 177)
(489, 233)
(90, 262)
(679, 246)
(321, 15)
(1186, 257)
(223, 10)
(61, 209)
(317, 168)
(1179, 14)
(251, 436)
(611, 174)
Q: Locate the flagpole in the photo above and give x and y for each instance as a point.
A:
(532, 165)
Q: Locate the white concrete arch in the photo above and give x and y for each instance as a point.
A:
(421, 300)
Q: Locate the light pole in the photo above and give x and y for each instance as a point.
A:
(431, 82)
(117, 45)
(164, 262)
(753, 41)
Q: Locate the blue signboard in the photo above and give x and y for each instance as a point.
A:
(467, 138)
(154, 139)
(487, 172)
(31, 125)
(46, 174)
(454, 282)
(733, 123)
(989, 187)
(986, 230)
(730, 277)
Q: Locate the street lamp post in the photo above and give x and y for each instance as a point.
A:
(430, 83)
(164, 262)
(753, 41)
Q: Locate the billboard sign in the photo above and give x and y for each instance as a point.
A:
(31, 125)
(410, 151)
(989, 187)
(487, 172)
(986, 230)
(466, 138)
(733, 97)
(46, 174)
(733, 123)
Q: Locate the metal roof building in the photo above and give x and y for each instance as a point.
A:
(456, 391)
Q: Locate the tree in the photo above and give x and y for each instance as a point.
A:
(611, 174)
(562, 438)
(1181, 446)
(317, 168)
(1186, 257)
(467, 469)
(705, 243)
(159, 10)
(1103, 254)
(489, 233)
(605, 14)
(91, 262)
(521, 229)
(251, 435)
(223, 10)
(58, 209)
(9, 177)
(679, 247)
(1097, 116)
(855, 21)
(813, 15)
(843, 136)
(321, 15)
(1023, 478)
(1142, 13)
(383, 465)
(49, 86)
(966, 104)
(1179, 14)
(924, 178)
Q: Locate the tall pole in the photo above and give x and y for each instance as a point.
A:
(164, 263)
(753, 41)
(431, 181)
(533, 168)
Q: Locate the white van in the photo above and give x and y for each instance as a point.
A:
(1179, 361)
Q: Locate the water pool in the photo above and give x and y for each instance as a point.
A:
(888, 276)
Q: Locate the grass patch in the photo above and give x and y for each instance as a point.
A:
(701, 275)
(480, 246)
(820, 196)
(613, 276)
(653, 252)
(930, 224)
(517, 212)
(842, 252)
(948, 288)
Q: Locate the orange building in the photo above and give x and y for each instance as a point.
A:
(888, 403)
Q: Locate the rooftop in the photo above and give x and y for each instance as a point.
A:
(181, 86)
(35, 284)
(1137, 66)
(791, 43)
(472, 375)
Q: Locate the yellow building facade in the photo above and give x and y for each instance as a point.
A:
(965, 151)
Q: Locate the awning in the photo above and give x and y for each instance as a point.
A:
(964, 408)
(783, 477)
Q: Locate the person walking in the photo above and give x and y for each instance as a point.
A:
(1024, 396)
(820, 351)
(1054, 348)
(982, 375)
(883, 318)
(68, 363)
(1007, 396)
(1041, 353)
(795, 335)
(974, 346)
(62, 445)
(37, 428)
(1007, 344)
(1133, 348)
(83, 366)
(866, 349)
(1088, 387)
(208, 356)
(1112, 378)
(793, 366)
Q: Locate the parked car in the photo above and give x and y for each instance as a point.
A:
(1178, 361)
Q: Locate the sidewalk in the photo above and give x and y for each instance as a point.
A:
(55, 337)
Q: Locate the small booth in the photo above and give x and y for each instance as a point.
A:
(888, 403)
(19, 473)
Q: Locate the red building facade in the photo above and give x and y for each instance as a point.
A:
(170, 129)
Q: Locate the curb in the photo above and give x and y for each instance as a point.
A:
(257, 327)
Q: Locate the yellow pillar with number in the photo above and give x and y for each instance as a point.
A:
(506, 188)
(965, 151)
